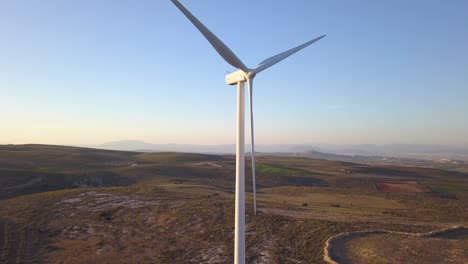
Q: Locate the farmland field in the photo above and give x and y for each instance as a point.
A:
(80, 205)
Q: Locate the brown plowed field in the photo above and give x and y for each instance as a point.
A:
(403, 187)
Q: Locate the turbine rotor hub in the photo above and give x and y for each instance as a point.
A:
(250, 75)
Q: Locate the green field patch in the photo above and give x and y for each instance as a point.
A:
(270, 169)
(453, 190)
(174, 157)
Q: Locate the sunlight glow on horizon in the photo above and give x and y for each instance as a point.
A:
(86, 73)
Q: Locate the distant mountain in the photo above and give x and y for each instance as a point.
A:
(326, 156)
(137, 145)
(311, 154)
(415, 151)
(447, 164)
(320, 151)
(130, 145)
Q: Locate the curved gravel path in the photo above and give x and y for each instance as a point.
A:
(335, 244)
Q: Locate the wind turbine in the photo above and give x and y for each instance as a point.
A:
(239, 78)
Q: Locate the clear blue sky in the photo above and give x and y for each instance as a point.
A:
(87, 72)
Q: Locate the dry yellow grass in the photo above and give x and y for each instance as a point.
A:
(179, 207)
(316, 196)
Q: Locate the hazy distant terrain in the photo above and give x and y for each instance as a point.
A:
(446, 164)
(409, 151)
(82, 205)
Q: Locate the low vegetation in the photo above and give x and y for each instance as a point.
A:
(95, 206)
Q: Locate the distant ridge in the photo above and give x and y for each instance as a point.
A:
(354, 153)
(137, 145)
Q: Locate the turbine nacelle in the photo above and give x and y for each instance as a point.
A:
(239, 76)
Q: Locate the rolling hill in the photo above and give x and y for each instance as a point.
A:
(83, 205)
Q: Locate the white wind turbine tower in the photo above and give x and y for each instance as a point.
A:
(240, 77)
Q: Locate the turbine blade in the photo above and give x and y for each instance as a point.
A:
(252, 141)
(279, 57)
(219, 46)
